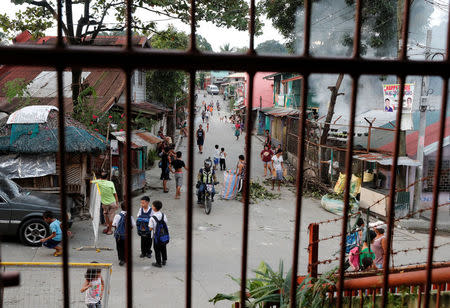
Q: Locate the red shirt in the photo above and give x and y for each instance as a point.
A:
(266, 155)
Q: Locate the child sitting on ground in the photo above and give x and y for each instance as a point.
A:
(55, 237)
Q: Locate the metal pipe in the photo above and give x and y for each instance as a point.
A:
(97, 57)
(438, 276)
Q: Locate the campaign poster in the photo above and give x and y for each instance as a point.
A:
(391, 94)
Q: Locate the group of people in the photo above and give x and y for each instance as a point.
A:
(366, 247)
(273, 161)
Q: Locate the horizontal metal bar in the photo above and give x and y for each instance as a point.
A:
(75, 56)
(54, 264)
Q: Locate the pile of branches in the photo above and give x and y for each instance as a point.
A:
(314, 187)
(259, 192)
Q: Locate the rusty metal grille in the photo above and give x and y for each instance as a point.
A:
(62, 56)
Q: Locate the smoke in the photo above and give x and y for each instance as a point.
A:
(332, 24)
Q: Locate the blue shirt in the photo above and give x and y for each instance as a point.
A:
(55, 226)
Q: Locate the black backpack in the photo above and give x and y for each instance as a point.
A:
(161, 235)
(119, 233)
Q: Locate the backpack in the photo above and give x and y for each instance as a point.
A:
(353, 258)
(142, 223)
(119, 233)
(161, 234)
(352, 241)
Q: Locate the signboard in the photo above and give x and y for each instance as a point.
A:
(114, 147)
(391, 93)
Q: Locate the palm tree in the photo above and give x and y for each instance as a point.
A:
(226, 48)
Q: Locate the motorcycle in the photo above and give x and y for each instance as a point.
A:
(208, 198)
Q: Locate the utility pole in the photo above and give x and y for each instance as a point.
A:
(422, 126)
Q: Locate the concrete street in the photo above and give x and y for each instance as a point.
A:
(217, 240)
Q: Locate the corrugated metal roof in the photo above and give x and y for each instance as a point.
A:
(31, 114)
(139, 138)
(146, 107)
(386, 160)
(280, 111)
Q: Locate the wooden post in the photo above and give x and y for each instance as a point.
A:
(313, 249)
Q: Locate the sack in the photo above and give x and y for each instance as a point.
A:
(142, 223)
(353, 258)
(355, 185)
(274, 172)
(119, 233)
(161, 234)
(340, 184)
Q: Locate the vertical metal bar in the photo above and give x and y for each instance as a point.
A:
(437, 176)
(251, 28)
(248, 150)
(300, 158)
(128, 240)
(349, 154)
(62, 161)
(348, 172)
(313, 251)
(307, 28)
(391, 208)
(299, 181)
(193, 37)
(246, 188)
(190, 185)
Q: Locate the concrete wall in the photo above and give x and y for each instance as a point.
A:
(262, 89)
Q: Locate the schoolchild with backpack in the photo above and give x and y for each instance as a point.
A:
(158, 224)
(142, 222)
(119, 224)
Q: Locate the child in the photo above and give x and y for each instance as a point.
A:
(55, 237)
(119, 223)
(216, 156)
(222, 156)
(93, 286)
(178, 166)
(143, 218)
(158, 224)
(277, 167)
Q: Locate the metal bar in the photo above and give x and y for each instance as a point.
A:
(313, 249)
(348, 172)
(439, 276)
(190, 185)
(251, 28)
(300, 160)
(437, 176)
(128, 190)
(183, 60)
(62, 161)
(193, 36)
(299, 181)
(246, 188)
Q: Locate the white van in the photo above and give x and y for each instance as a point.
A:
(212, 89)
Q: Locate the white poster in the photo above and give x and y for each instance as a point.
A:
(391, 93)
(114, 147)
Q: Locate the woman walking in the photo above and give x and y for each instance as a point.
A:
(379, 247)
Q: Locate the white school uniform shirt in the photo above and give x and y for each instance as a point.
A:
(117, 219)
(277, 162)
(152, 222)
(141, 210)
(222, 155)
(216, 153)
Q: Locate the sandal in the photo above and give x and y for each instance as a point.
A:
(57, 254)
(109, 232)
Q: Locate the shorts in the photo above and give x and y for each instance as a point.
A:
(266, 163)
(109, 210)
(178, 179)
(200, 141)
(216, 161)
(279, 175)
(51, 243)
(96, 305)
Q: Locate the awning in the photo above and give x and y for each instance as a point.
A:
(386, 160)
(139, 138)
(280, 111)
(31, 114)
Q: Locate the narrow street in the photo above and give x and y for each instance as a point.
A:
(217, 237)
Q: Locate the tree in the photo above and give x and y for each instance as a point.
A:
(272, 47)
(167, 87)
(203, 44)
(39, 16)
(226, 48)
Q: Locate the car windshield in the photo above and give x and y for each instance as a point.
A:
(11, 189)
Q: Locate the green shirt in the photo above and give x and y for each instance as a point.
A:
(107, 191)
(366, 253)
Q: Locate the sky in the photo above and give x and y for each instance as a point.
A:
(214, 35)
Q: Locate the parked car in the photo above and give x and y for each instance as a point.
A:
(21, 212)
(212, 89)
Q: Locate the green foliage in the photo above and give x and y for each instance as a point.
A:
(152, 157)
(271, 47)
(260, 192)
(203, 44)
(273, 287)
(231, 104)
(34, 19)
(17, 88)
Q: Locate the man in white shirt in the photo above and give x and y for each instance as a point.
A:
(277, 166)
